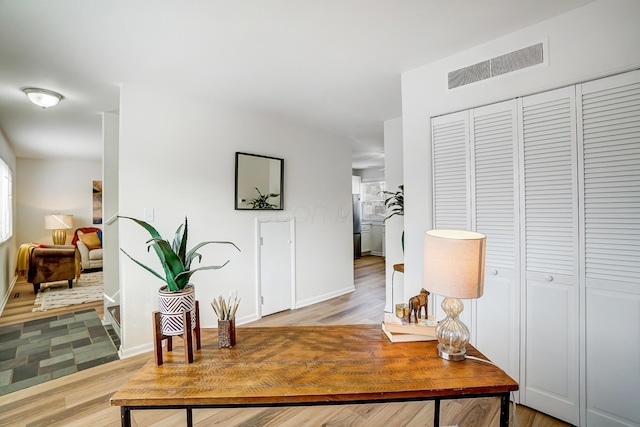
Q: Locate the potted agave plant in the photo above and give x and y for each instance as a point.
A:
(178, 294)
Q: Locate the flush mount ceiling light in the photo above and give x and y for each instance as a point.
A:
(42, 97)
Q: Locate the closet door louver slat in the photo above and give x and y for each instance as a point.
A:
(450, 171)
(611, 156)
(549, 211)
(493, 144)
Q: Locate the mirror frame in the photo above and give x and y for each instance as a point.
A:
(236, 203)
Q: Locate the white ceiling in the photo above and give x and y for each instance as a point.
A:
(331, 64)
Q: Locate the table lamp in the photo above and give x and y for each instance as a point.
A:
(59, 224)
(453, 268)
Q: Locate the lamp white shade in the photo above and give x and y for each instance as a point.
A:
(58, 222)
(454, 263)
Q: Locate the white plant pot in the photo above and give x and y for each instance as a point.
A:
(172, 307)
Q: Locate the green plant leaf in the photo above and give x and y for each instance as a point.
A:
(154, 233)
(187, 274)
(177, 239)
(170, 260)
(150, 270)
(169, 274)
(192, 253)
(182, 251)
(174, 258)
(262, 201)
(395, 202)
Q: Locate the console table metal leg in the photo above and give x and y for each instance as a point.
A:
(436, 413)
(125, 416)
(189, 417)
(504, 410)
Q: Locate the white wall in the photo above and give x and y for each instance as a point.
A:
(111, 252)
(599, 39)
(373, 174)
(8, 248)
(177, 157)
(53, 186)
(394, 177)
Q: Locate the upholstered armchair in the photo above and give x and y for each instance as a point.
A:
(89, 244)
(52, 264)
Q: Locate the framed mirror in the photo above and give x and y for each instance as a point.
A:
(259, 182)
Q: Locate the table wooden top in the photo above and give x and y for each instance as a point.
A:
(308, 364)
(399, 267)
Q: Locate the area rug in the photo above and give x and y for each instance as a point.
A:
(44, 349)
(88, 288)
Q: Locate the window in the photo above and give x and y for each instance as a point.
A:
(373, 208)
(6, 202)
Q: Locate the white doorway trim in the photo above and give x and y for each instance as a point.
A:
(258, 266)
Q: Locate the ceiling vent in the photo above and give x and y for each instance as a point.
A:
(503, 64)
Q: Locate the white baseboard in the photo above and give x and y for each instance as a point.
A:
(143, 348)
(239, 321)
(325, 297)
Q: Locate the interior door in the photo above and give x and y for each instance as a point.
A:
(276, 266)
(494, 138)
(451, 184)
(609, 126)
(550, 206)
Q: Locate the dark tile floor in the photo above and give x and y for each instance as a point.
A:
(40, 350)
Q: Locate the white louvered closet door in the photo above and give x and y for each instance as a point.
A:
(451, 171)
(494, 182)
(610, 153)
(451, 181)
(549, 202)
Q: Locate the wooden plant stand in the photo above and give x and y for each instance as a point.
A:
(187, 335)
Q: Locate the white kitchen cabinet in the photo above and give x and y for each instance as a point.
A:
(366, 238)
(377, 239)
(355, 184)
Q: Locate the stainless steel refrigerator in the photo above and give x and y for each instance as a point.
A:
(357, 225)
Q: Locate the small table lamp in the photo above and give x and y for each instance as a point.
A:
(453, 268)
(59, 224)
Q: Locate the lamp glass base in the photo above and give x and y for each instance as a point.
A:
(454, 356)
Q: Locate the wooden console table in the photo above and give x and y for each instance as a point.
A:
(310, 365)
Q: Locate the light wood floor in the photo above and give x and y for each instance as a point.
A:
(20, 303)
(82, 399)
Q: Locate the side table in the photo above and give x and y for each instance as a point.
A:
(399, 268)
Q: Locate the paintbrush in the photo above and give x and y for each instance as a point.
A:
(223, 306)
(236, 303)
(216, 308)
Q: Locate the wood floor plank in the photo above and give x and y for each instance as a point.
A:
(21, 302)
(88, 391)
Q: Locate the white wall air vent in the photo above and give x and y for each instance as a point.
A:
(503, 64)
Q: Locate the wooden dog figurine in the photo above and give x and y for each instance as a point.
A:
(416, 303)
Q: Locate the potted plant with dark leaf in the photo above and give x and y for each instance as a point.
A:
(178, 294)
(395, 205)
(262, 201)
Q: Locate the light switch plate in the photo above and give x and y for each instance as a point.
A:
(148, 214)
